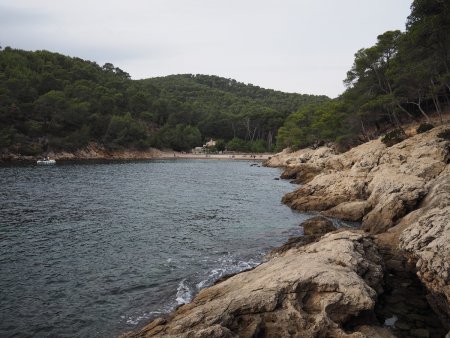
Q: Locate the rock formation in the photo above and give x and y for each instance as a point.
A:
(311, 291)
(328, 286)
(400, 192)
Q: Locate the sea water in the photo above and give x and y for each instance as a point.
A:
(98, 249)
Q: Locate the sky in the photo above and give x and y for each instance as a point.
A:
(301, 46)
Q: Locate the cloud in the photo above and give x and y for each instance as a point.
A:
(294, 45)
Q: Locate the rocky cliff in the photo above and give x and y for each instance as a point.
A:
(347, 283)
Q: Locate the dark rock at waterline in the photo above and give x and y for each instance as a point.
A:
(317, 226)
(301, 173)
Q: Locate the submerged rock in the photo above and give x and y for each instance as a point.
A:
(309, 291)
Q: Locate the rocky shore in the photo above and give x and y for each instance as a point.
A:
(96, 151)
(91, 152)
(390, 278)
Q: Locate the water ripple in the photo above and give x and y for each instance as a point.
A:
(96, 249)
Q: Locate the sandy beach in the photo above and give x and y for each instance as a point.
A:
(248, 157)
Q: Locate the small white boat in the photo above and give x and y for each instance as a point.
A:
(46, 161)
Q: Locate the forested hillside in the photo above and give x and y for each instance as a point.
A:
(405, 76)
(50, 101)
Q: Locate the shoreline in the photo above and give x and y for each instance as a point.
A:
(95, 152)
(398, 193)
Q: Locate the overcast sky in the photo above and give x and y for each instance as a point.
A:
(303, 46)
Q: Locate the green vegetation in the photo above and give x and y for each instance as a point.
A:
(403, 76)
(423, 127)
(51, 101)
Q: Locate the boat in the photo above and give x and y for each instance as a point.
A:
(46, 161)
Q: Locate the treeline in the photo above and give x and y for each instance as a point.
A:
(49, 101)
(405, 76)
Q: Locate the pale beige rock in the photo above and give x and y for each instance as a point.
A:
(288, 158)
(305, 292)
(328, 190)
(349, 211)
(406, 189)
(392, 180)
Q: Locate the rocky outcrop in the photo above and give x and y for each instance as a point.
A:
(311, 291)
(328, 286)
(372, 183)
(401, 193)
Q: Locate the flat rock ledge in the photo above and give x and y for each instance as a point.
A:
(310, 291)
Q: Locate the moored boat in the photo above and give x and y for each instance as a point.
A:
(46, 161)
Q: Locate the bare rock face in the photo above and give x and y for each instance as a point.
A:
(326, 191)
(309, 291)
(401, 193)
(391, 181)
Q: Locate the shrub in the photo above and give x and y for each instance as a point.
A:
(393, 137)
(445, 134)
(424, 127)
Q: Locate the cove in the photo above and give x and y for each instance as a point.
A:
(96, 249)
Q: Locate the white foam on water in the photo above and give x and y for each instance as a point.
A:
(227, 266)
(135, 320)
(184, 293)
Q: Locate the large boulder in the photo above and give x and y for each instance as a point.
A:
(311, 291)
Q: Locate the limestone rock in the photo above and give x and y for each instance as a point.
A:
(392, 181)
(327, 190)
(309, 291)
(349, 211)
(401, 192)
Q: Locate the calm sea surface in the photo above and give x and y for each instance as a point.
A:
(96, 249)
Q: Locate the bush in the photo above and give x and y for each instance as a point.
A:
(424, 127)
(445, 134)
(345, 143)
(393, 137)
